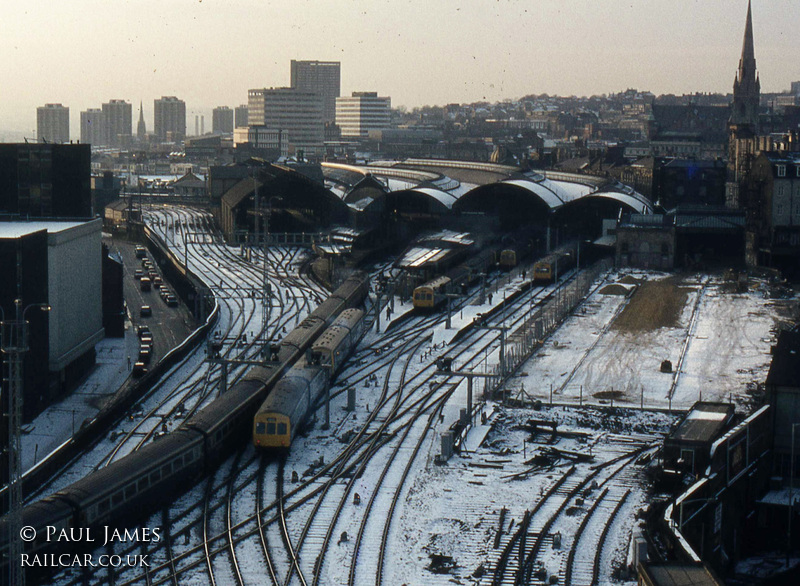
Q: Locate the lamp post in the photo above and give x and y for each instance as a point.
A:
(14, 344)
(265, 283)
(791, 498)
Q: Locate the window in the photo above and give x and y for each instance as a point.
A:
(261, 427)
(117, 498)
(781, 170)
(779, 209)
(271, 428)
(797, 170)
(781, 190)
(664, 248)
(103, 507)
(281, 429)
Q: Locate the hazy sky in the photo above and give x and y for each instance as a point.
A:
(210, 52)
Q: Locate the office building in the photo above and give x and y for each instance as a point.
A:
(117, 119)
(57, 263)
(363, 111)
(222, 120)
(170, 119)
(240, 116)
(275, 142)
(296, 112)
(52, 123)
(93, 131)
(45, 180)
(321, 77)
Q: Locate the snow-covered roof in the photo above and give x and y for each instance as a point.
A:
(446, 199)
(19, 229)
(548, 196)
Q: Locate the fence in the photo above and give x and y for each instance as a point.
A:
(542, 320)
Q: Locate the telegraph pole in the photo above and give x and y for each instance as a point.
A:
(14, 338)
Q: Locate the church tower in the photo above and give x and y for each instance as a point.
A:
(141, 129)
(746, 85)
(743, 121)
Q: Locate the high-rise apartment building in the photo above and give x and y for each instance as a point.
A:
(93, 129)
(117, 119)
(297, 112)
(222, 120)
(363, 111)
(170, 119)
(321, 77)
(52, 123)
(240, 116)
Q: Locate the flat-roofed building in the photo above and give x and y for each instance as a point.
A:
(45, 180)
(93, 131)
(222, 120)
(261, 137)
(286, 109)
(240, 116)
(362, 112)
(170, 119)
(118, 122)
(52, 123)
(319, 77)
(59, 264)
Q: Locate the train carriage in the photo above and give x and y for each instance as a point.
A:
(431, 294)
(115, 492)
(289, 405)
(286, 408)
(336, 343)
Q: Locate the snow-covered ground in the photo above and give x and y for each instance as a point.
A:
(59, 421)
(726, 337)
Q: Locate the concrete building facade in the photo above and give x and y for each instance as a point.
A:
(52, 123)
(222, 120)
(286, 109)
(320, 77)
(45, 180)
(363, 111)
(170, 119)
(117, 119)
(93, 130)
(240, 116)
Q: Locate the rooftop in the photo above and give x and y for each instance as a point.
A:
(703, 423)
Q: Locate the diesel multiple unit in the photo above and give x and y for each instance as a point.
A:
(292, 401)
(152, 476)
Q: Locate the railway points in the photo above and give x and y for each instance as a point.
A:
(368, 500)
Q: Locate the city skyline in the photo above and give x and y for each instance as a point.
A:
(203, 51)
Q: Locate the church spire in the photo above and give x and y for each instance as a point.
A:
(746, 85)
(141, 129)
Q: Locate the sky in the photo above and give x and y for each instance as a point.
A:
(82, 53)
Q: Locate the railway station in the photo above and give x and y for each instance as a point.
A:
(450, 361)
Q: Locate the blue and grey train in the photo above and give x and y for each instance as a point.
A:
(154, 475)
(288, 407)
